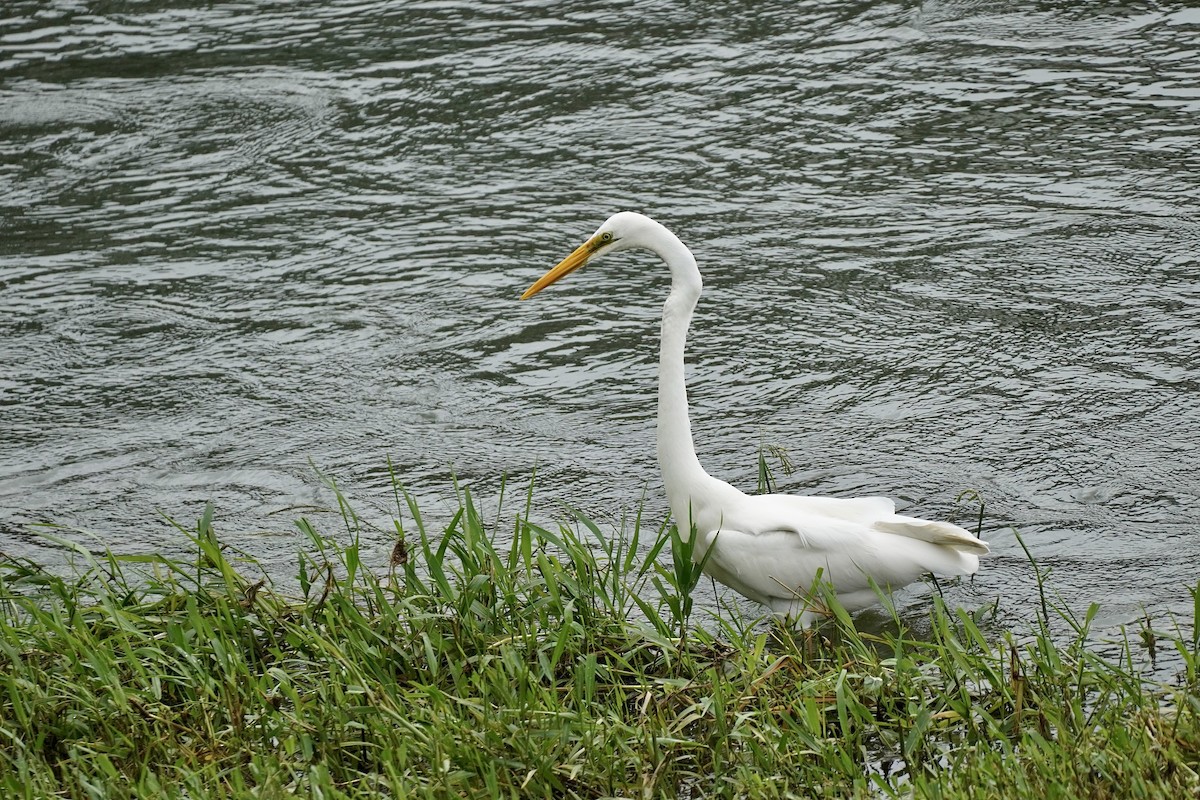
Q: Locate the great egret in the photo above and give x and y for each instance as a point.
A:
(770, 548)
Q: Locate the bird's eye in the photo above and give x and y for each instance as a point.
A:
(606, 237)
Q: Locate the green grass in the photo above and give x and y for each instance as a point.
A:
(508, 660)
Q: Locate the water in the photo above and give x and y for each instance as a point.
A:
(947, 246)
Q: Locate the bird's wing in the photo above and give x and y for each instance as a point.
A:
(878, 513)
(785, 562)
(773, 546)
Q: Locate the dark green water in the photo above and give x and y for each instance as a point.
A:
(947, 246)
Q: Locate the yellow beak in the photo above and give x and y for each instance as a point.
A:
(579, 256)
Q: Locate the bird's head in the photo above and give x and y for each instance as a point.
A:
(619, 232)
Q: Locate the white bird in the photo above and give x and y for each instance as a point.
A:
(771, 548)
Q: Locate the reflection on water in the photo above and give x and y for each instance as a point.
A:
(946, 248)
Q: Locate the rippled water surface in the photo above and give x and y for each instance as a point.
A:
(947, 246)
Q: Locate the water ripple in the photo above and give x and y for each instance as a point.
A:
(947, 246)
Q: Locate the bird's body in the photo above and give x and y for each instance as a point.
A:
(770, 548)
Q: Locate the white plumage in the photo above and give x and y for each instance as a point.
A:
(770, 548)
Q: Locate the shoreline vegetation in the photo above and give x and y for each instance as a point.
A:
(509, 660)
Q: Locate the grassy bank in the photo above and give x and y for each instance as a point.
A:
(560, 664)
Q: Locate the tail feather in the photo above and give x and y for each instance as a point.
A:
(942, 534)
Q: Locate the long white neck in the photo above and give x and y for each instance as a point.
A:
(681, 470)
